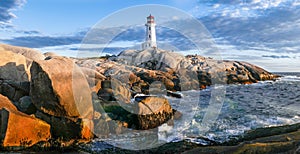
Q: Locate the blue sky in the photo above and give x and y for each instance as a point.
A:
(263, 32)
(67, 16)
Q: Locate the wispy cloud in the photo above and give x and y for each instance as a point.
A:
(241, 8)
(276, 31)
(275, 56)
(6, 9)
(43, 41)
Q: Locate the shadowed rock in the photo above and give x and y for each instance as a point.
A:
(14, 75)
(25, 105)
(13, 67)
(113, 90)
(67, 129)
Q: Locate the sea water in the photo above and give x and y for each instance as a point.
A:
(220, 113)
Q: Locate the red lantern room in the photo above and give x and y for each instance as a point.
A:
(150, 19)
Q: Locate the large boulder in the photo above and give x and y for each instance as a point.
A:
(59, 88)
(62, 96)
(13, 66)
(19, 129)
(25, 105)
(26, 52)
(14, 75)
(152, 112)
(146, 112)
(114, 90)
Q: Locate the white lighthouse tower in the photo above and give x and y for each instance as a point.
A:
(150, 34)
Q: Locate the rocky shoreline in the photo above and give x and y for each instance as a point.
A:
(51, 102)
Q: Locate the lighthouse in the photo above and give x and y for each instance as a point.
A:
(150, 41)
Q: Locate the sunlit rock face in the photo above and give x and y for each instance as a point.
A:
(62, 96)
(19, 129)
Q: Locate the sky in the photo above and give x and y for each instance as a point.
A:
(262, 32)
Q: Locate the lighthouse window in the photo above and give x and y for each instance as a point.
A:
(149, 36)
(149, 28)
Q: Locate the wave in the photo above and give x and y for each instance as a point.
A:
(224, 131)
(289, 78)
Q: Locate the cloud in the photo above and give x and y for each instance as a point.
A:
(5, 26)
(275, 56)
(42, 41)
(30, 32)
(271, 61)
(6, 9)
(242, 8)
(35, 39)
(277, 31)
(165, 36)
(76, 50)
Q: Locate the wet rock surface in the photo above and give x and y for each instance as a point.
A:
(283, 139)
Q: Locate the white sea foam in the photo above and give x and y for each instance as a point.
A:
(290, 78)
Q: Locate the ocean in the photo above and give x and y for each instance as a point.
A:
(221, 113)
(247, 107)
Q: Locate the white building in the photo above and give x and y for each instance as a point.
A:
(150, 34)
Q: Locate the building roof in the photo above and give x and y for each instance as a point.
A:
(150, 16)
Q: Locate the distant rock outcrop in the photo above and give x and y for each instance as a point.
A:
(193, 71)
(153, 59)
